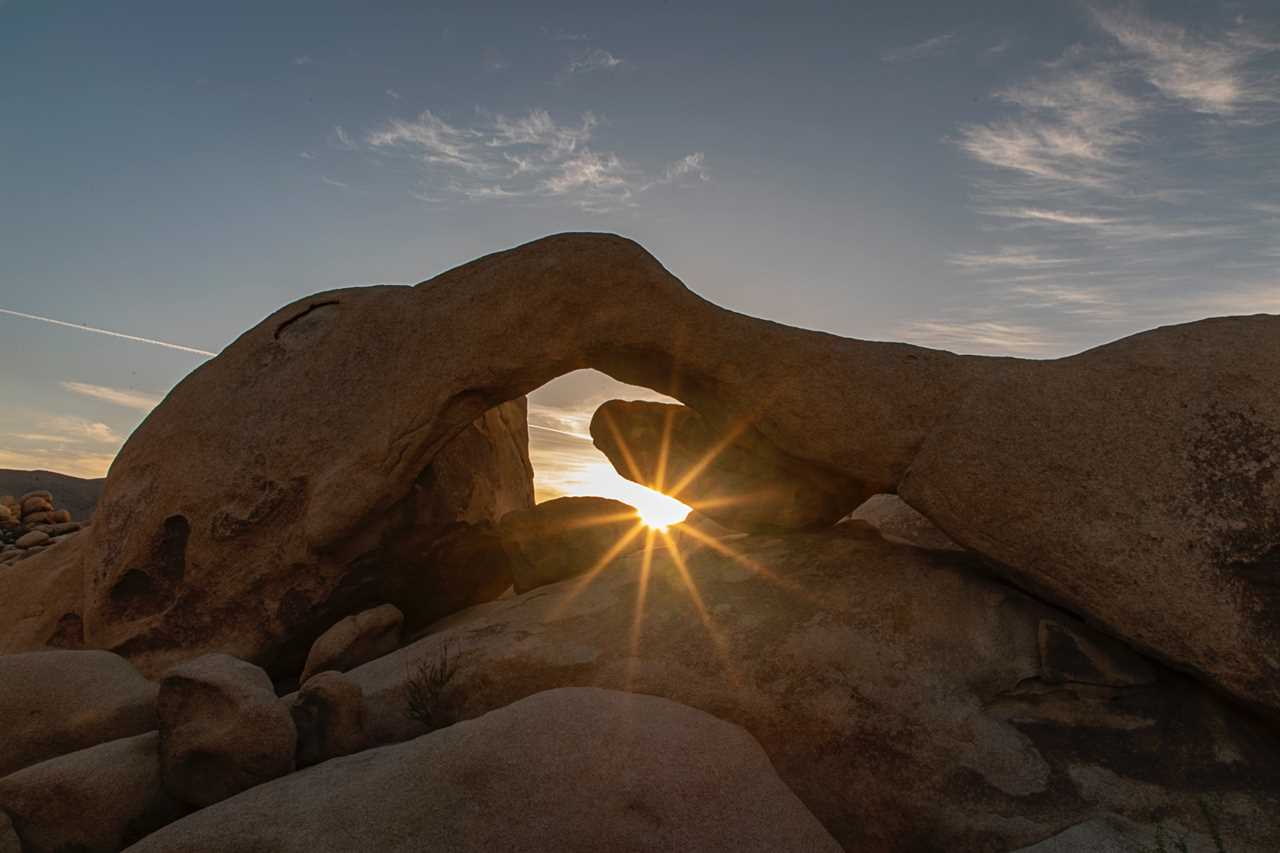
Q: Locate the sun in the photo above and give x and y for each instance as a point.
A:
(656, 510)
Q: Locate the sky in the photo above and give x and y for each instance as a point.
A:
(1010, 178)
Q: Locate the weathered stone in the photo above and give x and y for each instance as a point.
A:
(739, 480)
(221, 729)
(5, 514)
(57, 701)
(899, 692)
(35, 518)
(35, 504)
(61, 516)
(574, 769)
(96, 800)
(355, 640)
(32, 539)
(1136, 483)
(262, 589)
(898, 522)
(37, 493)
(329, 715)
(567, 537)
(42, 600)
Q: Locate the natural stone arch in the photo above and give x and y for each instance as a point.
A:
(1123, 482)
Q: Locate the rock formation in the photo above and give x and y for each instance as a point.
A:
(1057, 634)
(29, 524)
(1134, 483)
(55, 702)
(221, 730)
(221, 561)
(898, 522)
(740, 481)
(566, 770)
(329, 714)
(102, 798)
(566, 537)
(355, 640)
(911, 701)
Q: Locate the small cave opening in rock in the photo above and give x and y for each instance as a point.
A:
(567, 463)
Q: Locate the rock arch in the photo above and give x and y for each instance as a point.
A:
(1116, 482)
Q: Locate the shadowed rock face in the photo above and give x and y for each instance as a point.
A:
(1135, 483)
(912, 701)
(738, 480)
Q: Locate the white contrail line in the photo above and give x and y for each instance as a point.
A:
(562, 432)
(108, 332)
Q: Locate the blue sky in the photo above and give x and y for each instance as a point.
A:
(1009, 177)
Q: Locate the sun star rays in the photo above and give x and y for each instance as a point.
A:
(669, 541)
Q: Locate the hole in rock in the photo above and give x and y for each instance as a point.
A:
(566, 462)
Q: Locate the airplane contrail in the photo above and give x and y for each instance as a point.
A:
(108, 332)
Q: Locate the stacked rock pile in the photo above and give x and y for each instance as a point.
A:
(30, 524)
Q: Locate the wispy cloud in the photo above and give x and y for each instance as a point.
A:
(302, 60)
(1211, 75)
(107, 332)
(393, 94)
(997, 49)
(524, 157)
(333, 182)
(342, 140)
(139, 400)
(920, 50)
(1006, 258)
(595, 59)
(985, 336)
(1122, 184)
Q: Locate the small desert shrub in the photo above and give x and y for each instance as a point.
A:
(425, 686)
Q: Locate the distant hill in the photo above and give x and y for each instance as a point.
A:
(75, 494)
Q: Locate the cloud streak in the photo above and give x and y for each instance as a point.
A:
(920, 50)
(107, 332)
(1124, 183)
(525, 157)
(117, 396)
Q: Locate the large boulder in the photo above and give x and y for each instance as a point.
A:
(566, 537)
(222, 729)
(733, 477)
(58, 701)
(910, 700)
(1134, 483)
(565, 770)
(355, 640)
(216, 559)
(97, 800)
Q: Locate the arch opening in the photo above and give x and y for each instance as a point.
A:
(565, 460)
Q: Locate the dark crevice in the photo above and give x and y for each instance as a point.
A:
(287, 323)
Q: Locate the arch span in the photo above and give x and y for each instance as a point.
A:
(1137, 483)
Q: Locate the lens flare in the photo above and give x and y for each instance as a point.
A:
(656, 510)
